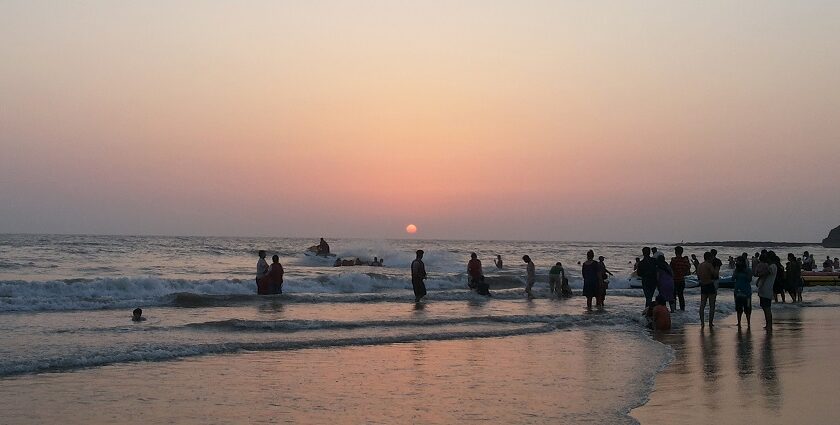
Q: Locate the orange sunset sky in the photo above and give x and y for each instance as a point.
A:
(605, 120)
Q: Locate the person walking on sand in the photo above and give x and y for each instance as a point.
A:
(262, 273)
(742, 289)
(647, 271)
(530, 274)
(591, 272)
(275, 276)
(681, 267)
(665, 281)
(766, 272)
(707, 275)
(418, 275)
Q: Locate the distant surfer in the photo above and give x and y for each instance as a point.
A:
(530, 274)
(418, 275)
(498, 262)
(262, 271)
(137, 315)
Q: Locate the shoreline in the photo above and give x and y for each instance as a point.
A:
(720, 375)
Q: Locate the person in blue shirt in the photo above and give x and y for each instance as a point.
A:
(743, 289)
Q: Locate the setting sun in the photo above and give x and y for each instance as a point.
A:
(411, 229)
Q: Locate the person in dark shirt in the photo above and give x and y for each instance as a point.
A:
(681, 267)
(647, 271)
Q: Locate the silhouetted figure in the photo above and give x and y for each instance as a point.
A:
(591, 272)
(323, 248)
(647, 271)
(530, 274)
(137, 315)
(707, 275)
(418, 275)
(681, 267)
(742, 289)
(498, 262)
(275, 276)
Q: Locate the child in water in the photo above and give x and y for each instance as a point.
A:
(660, 316)
(137, 315)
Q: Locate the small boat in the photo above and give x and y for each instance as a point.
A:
(821, 278)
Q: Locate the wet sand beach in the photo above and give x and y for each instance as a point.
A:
(727, 376)
(569, 376)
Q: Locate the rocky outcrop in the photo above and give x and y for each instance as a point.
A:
(833, 239)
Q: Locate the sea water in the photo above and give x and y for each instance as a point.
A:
(353, 332)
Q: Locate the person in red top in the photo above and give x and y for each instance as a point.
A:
(474, 270)
(275, 276)
(681, 267)
(660, 315)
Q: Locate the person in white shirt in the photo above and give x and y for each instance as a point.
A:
(262, 267)
(766, 272)
(530, 274)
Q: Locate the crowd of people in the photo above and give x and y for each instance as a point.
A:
(663, 282)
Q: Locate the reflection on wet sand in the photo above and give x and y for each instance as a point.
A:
(727, 373)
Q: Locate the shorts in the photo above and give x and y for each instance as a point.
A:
(708, 289)
(743, 304)
(765, 302)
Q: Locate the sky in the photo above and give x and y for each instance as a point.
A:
(521, 120)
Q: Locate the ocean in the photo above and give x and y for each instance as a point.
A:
(341, 344)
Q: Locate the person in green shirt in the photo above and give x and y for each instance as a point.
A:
(555, 278)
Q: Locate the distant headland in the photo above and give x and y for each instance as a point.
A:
(740, 244)
(832, 241)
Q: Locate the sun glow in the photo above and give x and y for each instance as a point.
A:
(412, 229)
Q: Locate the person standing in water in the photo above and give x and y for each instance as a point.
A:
(498, 262)
(742, 289)
(708, 275)
(695, 262)
(603, 282)
(794, 278)
(275, 275)
(418, 275)
(323, 248)
(591, 272)
(530, 274)
(262, 269)
(681, 267)
(766, 272)
(665, 281)
(647, 271)
(555, 278)
(474, 271)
